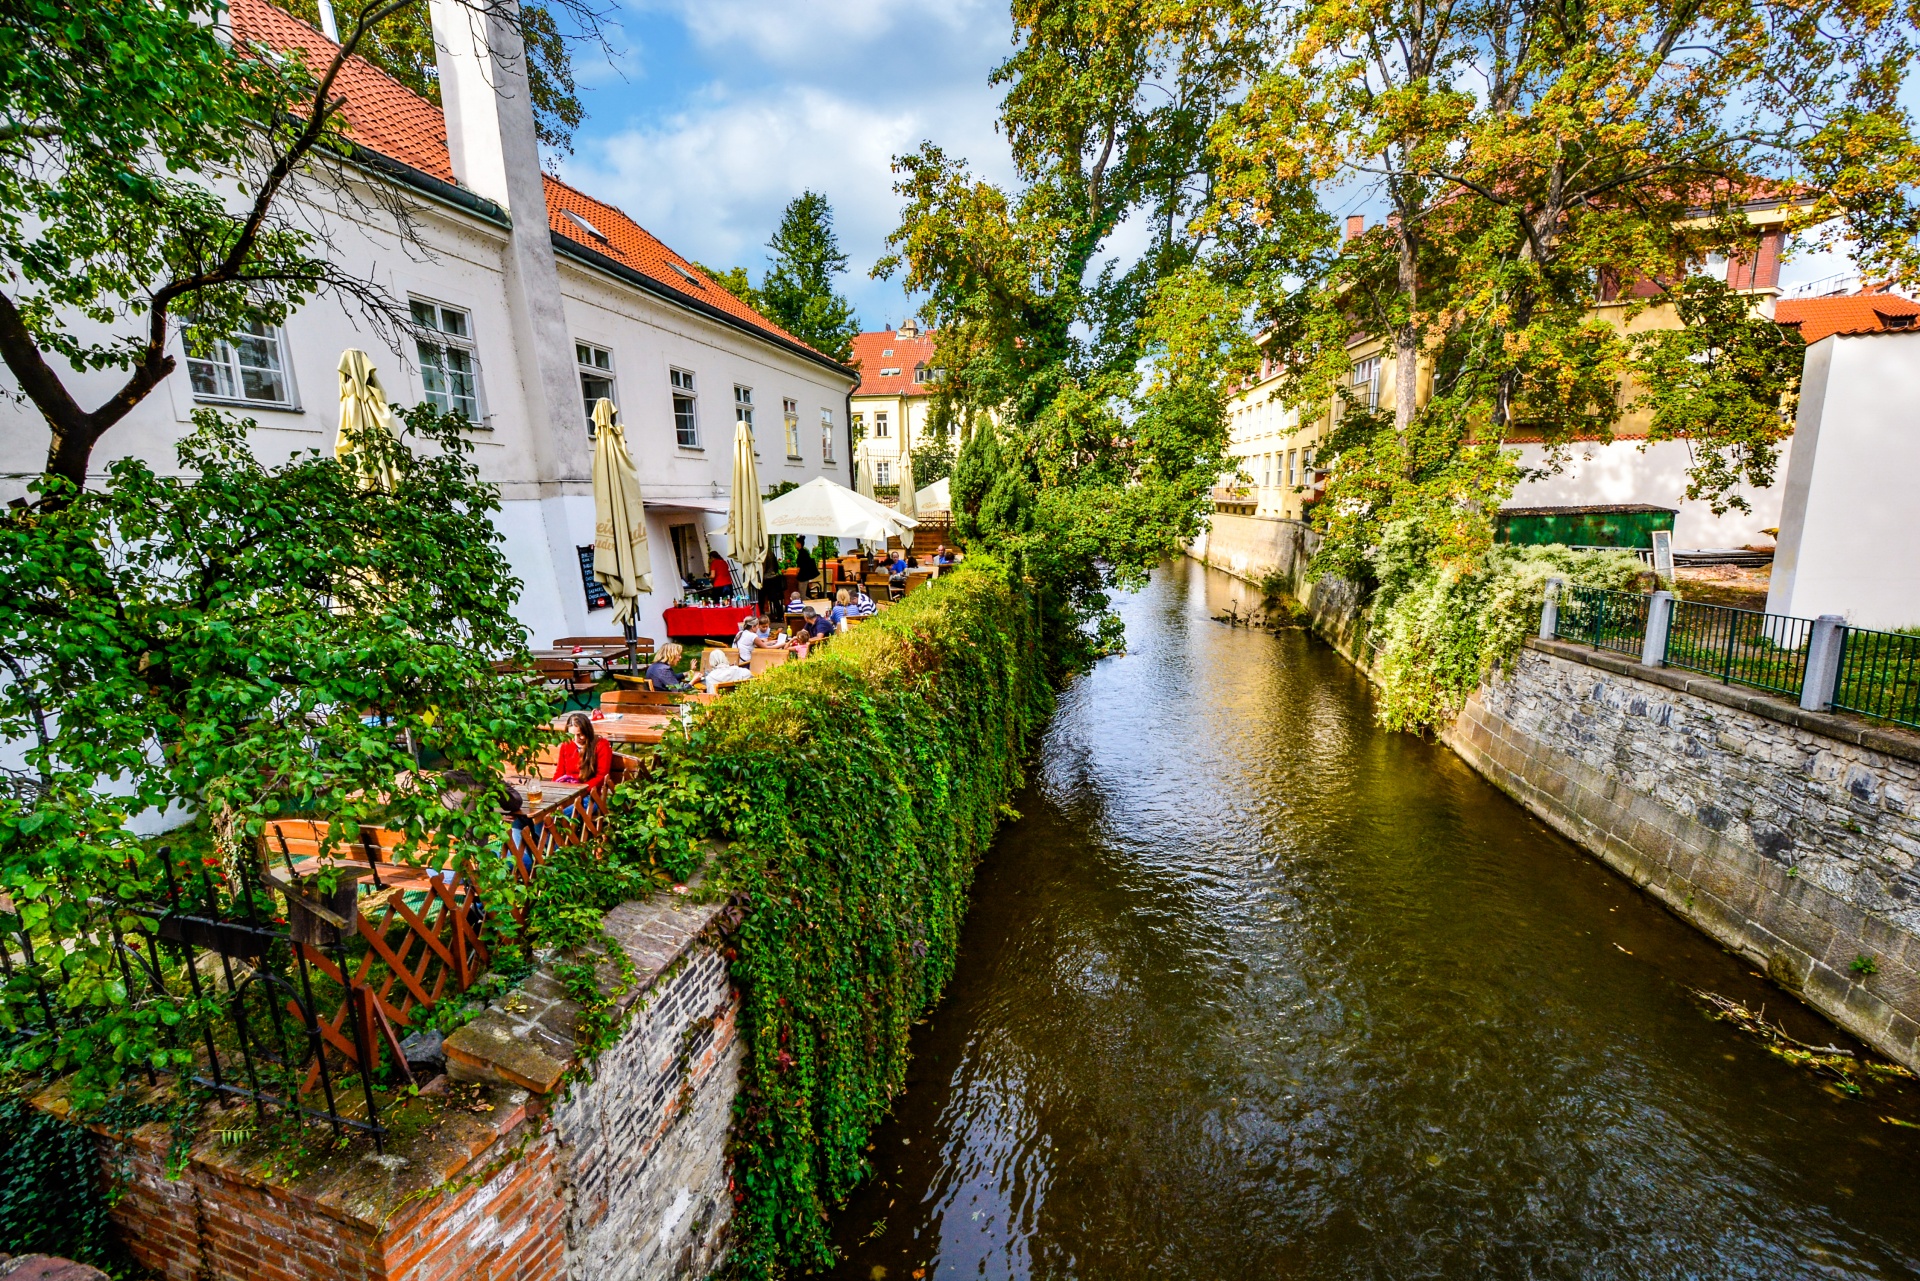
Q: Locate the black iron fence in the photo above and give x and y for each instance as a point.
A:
(1868, 672)
(280, 986)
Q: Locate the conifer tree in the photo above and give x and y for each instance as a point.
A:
(797, 292)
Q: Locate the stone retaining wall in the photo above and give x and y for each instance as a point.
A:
(1789, 836)
(1256, 547)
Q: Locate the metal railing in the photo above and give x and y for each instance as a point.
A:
(1879, 675)
(1740, 646)
(1822, 663)
(1604, 619)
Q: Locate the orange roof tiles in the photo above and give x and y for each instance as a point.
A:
(385, 116)
(871, 358)
(1819, 318)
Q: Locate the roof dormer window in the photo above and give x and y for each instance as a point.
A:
(688, 276)
(584, 225)
(887, 352)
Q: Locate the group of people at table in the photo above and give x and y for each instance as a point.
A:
(894, 564)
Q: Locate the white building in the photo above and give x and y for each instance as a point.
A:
(530, 300)
(1849, 542)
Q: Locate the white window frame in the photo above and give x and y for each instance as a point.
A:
(883, 471)
(790, 421)
(859, 425)
(225, 358)
(882, 425)
(448, 341)
(1366, 373)
(743, 413)
(826, 437)
(589, 368)
(681, 385)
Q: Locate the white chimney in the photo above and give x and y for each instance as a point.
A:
(483, 91)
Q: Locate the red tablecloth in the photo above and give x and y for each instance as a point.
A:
(697, 621)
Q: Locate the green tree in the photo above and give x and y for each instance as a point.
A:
(243, 641)
(933, 461)
(735, 281)
(1533, 154)
(1106, 422)
(111, 239)
(797, 291)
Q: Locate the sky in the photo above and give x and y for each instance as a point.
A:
(711, 115)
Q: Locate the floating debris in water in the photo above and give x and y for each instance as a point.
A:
(1849, 1070)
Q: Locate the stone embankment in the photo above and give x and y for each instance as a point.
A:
(1789, 836)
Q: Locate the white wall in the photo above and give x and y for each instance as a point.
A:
(1850, 519)
(1622, 471)
(543, 518)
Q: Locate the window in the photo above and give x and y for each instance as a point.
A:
(449, 376)
(887, 352)
(859, 426)
(826, 437)
(1293, 462)
(883, 472)
(1366, 373)
(251, 366)
(596, 377)
(743, 411)
(790, 419)
(881, 428)
(921, 374)
(686, 428)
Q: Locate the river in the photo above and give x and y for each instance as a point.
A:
(1253, 988)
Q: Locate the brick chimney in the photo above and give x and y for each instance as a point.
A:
(1356, 223)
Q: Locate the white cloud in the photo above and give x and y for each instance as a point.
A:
(810, 35)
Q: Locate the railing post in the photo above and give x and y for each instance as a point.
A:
(1653, 646)
(1823, 662)
(1550, 610)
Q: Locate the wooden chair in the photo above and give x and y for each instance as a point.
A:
(563, 677)
(879, 586)
(639, 700)
(765, 660)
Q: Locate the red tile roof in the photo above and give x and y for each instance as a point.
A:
(383, 115)
(1819, 318)
(871, 359)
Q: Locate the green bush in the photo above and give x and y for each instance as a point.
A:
(1444, 629)
(857, 789)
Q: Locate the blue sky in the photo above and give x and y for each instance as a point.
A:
(712, 114)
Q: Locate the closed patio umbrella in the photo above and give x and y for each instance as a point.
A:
(746, 521)
(905, 504)
(620, 558)
(363, 412)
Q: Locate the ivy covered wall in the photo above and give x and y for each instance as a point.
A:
(858, 789)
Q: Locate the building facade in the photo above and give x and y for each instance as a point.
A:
(528, 300)
(1275, 450)
(894, 400)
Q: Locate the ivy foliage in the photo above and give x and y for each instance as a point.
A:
(858, 789)
(50, 1201)
(1445, 628)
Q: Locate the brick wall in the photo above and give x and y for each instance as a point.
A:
(1791, 837)
(618, 1177)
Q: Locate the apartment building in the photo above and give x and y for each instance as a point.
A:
(529, 300)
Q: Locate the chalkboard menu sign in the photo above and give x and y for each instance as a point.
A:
(597, 597)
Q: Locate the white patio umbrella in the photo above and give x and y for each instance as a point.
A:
(905, 504)
(620, 558)
(822, 509)
(746, 523)
(863, 469)
(937, 497)
(363, 411)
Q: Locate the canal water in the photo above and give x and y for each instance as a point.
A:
(1256, 989)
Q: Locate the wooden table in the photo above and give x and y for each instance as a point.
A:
(630, 727)
(554, 797)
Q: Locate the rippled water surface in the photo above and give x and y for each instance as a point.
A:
(1256, 989)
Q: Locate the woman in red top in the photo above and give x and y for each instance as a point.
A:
(722, 576)
(586, 747)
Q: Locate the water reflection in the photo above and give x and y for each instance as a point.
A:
(1254, 989)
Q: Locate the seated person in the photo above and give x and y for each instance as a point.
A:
(863, 606)
(817, 627)
(943, 556)
(897, 571)
(660, 674)
(795, 605)
(721, 668)
(749, 636)
(585, 757)
(842, 606)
